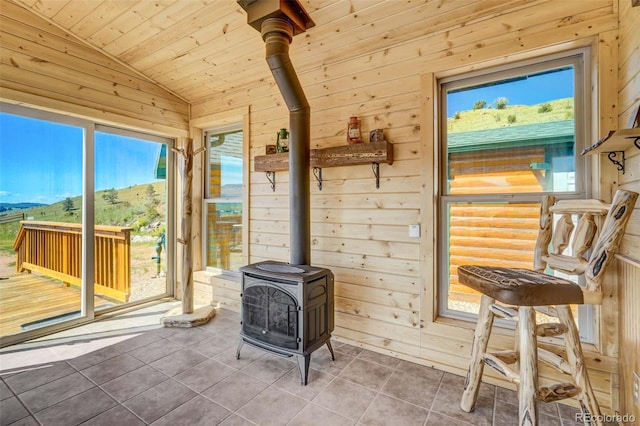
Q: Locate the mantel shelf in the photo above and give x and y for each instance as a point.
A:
(347, 155)
(614, 145)
(615, 140)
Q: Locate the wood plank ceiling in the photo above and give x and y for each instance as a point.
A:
(202, 49)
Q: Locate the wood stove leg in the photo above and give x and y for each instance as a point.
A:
(303, 364)
(239, 347)
(333, 357)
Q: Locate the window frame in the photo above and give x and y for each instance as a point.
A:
(206, 200)
(579, 59)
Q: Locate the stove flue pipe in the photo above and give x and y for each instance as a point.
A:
(277, 34)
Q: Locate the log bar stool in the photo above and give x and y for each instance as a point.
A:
(528, 291)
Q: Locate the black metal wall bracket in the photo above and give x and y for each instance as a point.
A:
(376, 172)
(317, 172)
(271, 177)
(611, 155)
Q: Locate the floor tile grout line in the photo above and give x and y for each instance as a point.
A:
(145, 364)
(96, 385)
(28, 410)
(329, 409)
(359, 356)
(253, 398)
(109, 394)
(167, 379)
(433, 401)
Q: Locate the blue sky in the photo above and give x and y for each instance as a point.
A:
(531, 91)
(41, 162)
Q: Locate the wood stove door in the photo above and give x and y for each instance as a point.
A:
(270, 314)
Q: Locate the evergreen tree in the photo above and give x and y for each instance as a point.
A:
(151, 206)
(67, 204)
(110, 196)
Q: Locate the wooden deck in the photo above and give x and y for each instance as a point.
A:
(26, 298)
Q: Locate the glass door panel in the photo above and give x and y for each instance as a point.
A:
(130, 218)
(41, 211)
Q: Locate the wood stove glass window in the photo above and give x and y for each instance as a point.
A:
(223, 245)
(270, 315)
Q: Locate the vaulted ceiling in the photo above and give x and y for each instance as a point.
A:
(198, 49)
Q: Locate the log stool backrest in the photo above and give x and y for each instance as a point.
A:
(554, 239)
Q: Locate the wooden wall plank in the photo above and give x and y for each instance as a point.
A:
(628, 272)
(102, 15)
(41, 65)
(33, 72)
(72, 12)
(360, 232)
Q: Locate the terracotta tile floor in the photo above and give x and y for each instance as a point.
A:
(128, 371)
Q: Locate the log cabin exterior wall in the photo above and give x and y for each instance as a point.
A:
(357, 61)
(629, 264)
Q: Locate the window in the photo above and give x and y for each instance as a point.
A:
(223, 209)
(507, 136)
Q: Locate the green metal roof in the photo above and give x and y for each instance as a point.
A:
(553, 132)
(161, 162)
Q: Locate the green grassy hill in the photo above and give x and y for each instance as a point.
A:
(131, 208)
(511, 115)
(129, 205)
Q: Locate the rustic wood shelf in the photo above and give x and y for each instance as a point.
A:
(361, 153)
(614, 144)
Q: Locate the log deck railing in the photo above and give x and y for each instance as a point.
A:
(55, 249)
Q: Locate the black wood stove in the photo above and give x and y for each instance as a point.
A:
(287, 310)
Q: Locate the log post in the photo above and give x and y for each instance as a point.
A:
(187, 265)
(188, 317)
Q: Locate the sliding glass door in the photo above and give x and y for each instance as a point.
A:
(41, 219)
(130, 216)
(84, 214)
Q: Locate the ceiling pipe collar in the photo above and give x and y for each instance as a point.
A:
(278, 25)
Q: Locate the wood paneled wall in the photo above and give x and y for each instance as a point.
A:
(359, 61)
(379, 60)
(43, 66)
(629, 267)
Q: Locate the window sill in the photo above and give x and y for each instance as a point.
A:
(209, 275)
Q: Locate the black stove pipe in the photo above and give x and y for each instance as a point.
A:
(278, 21)
(277, 34)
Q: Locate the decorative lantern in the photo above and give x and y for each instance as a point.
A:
(282, 141)
(354, 135)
